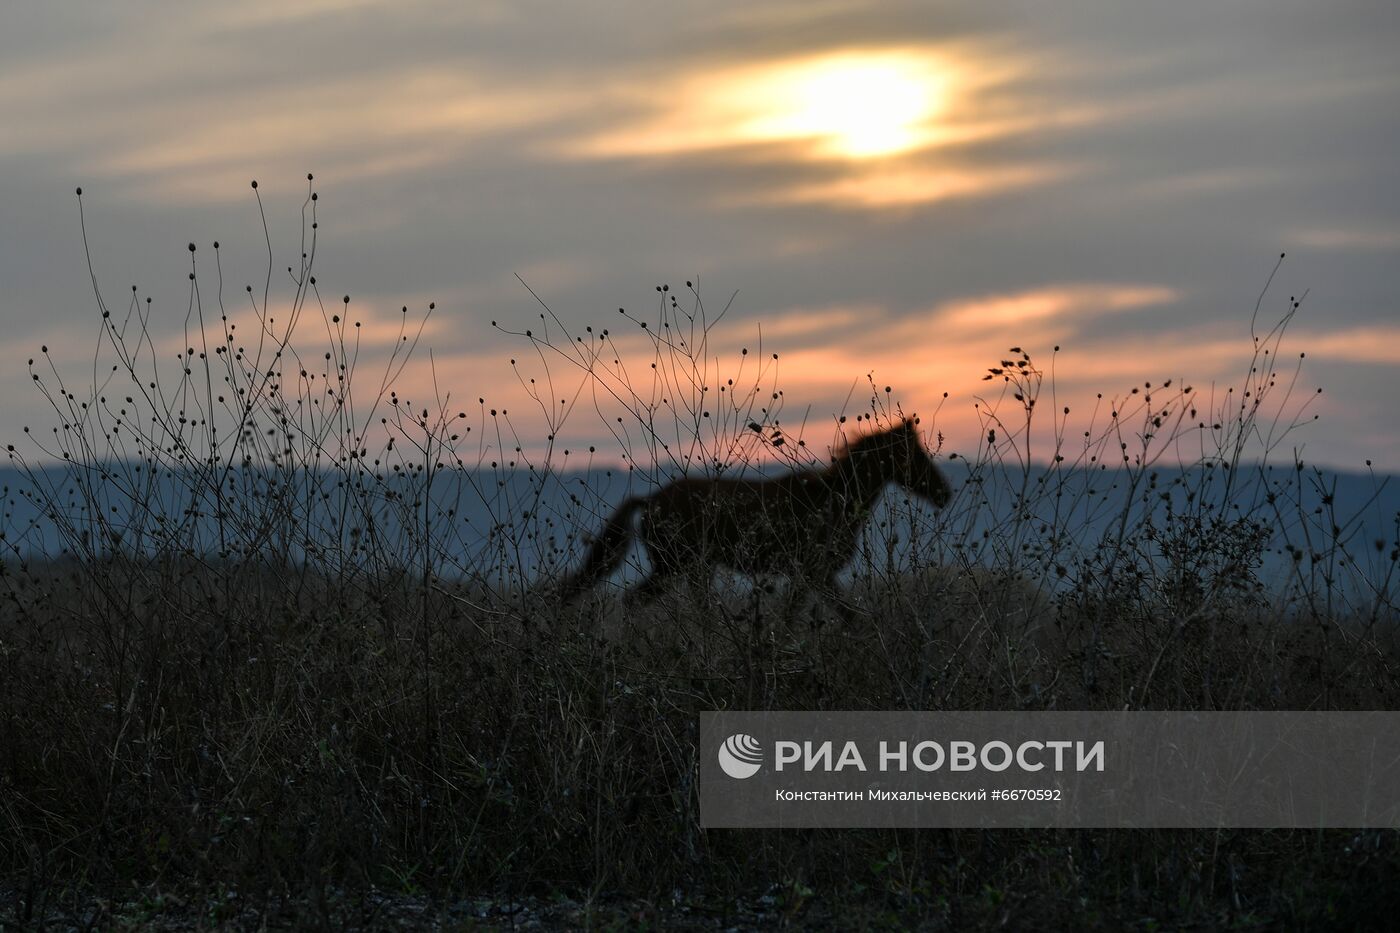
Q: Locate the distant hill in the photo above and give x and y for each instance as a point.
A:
(503, 525)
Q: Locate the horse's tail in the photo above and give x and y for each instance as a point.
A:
(606, 551)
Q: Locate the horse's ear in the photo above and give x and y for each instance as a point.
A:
(911, 424)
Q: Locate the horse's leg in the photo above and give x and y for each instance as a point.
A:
(796, 596)
(667, 565)
(698, 577)
(652, 585)
(837, 593)
(663, 568)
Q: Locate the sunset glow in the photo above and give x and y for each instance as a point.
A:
(848, 105)
(855, 106)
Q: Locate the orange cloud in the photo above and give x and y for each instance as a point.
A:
(1359, 239)
(875, 189)
(1378, 344)
(1055, 302)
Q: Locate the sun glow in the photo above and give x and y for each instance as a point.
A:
(856, 105)
(852, 105)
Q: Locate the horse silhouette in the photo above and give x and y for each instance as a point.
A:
(801, 524)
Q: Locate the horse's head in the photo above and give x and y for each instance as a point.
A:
(914, 469)
(898, 456)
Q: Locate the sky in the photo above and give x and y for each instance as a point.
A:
(891, 193)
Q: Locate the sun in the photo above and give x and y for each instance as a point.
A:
(858, 106)
(853, 104)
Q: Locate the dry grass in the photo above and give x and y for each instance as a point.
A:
(286, 745)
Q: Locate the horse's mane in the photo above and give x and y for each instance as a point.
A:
(851, 444)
